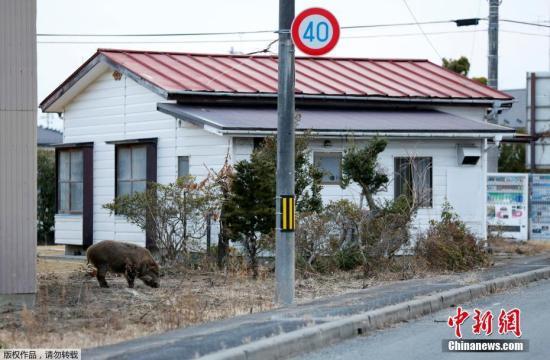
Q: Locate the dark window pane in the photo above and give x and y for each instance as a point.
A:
(76, 196)
(76, 165)
(423, 181)
(138, 186)
(124, 188)
(124, 163)
(139, 162)
(64, 197)
(64, 165)
(183, 165)
(413, 179)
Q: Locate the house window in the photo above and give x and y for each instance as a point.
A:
(413, 179)
(258, 142)
(131, 168)
(330, 164)
(70, 181)
(183, 166)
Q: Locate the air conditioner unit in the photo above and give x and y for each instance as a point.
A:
(468, 155)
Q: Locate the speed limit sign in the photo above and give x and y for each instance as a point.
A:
(315, 31)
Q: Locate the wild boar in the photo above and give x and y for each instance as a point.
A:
(123, 258)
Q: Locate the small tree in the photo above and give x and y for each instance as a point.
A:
(175, 214)
(512, 158)
(250, 210)
(307, 175)
(361, 166)
(480, 79)
(219, 190)
(384, 228)
(459, 66)
(45, 194)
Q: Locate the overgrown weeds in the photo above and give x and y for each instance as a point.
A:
(449, 245)
(500, 245)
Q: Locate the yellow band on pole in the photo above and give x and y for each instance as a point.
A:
(284, 213)
(288, 220)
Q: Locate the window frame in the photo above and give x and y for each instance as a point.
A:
(397, 176)
(333, 154)
(132, 180)
(188, 165)
(70, 211)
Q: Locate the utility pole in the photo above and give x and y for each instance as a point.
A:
(493, 44)
(284, 241)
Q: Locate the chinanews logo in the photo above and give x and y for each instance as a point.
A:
(507, 322)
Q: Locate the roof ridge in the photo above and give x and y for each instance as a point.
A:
(111, 50)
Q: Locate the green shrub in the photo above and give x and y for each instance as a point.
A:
(45, 195)
(348, 258)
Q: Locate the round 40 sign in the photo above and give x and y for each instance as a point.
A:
(315, 31)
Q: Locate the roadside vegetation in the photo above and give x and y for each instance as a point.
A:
(366, 238)
(341, 246)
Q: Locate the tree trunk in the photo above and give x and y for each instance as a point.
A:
(252, 257)
(223, 245)
(370, 202)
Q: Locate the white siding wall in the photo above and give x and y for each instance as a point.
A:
(110, 110)
(444, 161)
(68, 229)
(205, 149)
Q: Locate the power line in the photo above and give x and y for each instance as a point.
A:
(434, 22)
(387, 35)
(422, 30)
(525, 23)
(264, 50)
(524, 33)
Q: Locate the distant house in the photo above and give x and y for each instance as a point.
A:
(46, 138)
(516, 117)
(137, 116)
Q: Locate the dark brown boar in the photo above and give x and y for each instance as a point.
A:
(123, 258)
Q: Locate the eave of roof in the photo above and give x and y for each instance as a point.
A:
(261, 120)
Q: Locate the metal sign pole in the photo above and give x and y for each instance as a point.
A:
(284, 243)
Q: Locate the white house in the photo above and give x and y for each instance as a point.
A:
(137, 116)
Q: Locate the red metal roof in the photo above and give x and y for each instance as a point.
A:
(316, 76)
(174, 72)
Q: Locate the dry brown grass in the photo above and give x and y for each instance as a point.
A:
(530, 247)
(72, 311)
(49, 250)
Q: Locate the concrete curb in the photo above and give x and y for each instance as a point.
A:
(317, 336)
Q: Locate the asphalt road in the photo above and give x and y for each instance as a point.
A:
(421, 339)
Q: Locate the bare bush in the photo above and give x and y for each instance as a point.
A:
(448, 244)
(385, 232)
(175, 214)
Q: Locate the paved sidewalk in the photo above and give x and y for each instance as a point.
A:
(191, 342)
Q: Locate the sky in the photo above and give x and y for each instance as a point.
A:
(521, 48)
